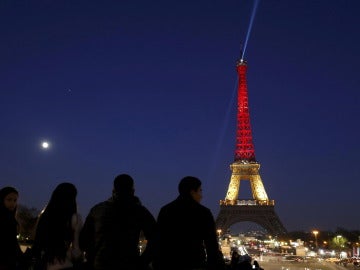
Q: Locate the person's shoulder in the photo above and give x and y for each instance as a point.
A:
(168, 208)
(76, 221)
(141, 208)
(204, 211)
(100, 206)
(136, 203)
(203, 208)
(76, 216)
(170, 205)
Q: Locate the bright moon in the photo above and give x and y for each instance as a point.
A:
(45, 145)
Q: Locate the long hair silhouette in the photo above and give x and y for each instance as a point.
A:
(54, 232)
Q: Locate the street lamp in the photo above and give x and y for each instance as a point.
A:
(219, 236)
(315, 232)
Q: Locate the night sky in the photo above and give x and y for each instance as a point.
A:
(148, 88)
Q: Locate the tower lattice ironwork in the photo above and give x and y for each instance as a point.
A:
(259, 209)
(244, 142)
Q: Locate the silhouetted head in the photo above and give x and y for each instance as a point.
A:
(8, 199)
(124, 185)
(63, 198)
(190, 186)
(64, 190)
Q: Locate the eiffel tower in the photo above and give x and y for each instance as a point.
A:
(259, 209)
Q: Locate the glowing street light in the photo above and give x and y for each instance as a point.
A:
(315, 232)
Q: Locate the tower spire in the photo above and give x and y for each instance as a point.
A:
(244, 150)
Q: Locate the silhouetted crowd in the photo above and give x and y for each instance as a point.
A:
(182, 238)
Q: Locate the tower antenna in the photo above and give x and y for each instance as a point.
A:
(241, 51)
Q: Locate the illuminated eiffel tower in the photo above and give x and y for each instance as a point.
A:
(259, 209)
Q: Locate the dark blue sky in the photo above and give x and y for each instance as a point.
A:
(147, 88)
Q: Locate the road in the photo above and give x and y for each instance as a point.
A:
(302, 266)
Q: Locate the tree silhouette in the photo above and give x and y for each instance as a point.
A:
(339, 242)
(27, 218)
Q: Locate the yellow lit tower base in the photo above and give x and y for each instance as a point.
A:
(259, 209)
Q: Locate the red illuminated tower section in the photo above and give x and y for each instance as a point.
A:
(244, 143)
(258, 209)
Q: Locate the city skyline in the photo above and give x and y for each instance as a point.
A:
(149, 89)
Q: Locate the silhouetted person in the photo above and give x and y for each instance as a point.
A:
(110, 236)
(244, 263)
(256, 265)
(186, 236)
(56, 243)
(234, 260)
(10, 252)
